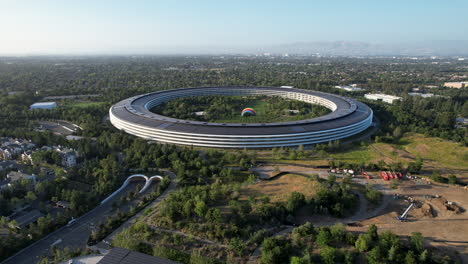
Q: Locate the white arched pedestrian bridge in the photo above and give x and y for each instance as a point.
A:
(148, 181)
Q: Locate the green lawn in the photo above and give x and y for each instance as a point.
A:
(260, 107)
(263, 115)
(437, 154)
(356, 154)
(227, 109)
(437, 150)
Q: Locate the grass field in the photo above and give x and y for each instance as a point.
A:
(263, 115)
(260, 107)
(437, 150)
(281, 188)
(441, 152)
(228, 109)
(438, 154)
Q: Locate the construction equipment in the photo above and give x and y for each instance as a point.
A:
(402, 217)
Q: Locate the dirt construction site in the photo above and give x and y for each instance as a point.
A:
(439, 211)
(439, 214)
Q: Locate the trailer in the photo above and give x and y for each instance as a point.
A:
(384, 175)
(389, 174)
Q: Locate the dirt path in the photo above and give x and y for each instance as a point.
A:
(380, 152)
(361, 214)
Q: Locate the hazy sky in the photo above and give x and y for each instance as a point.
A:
(138, 26)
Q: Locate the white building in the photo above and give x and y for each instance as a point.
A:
(349, 88)
(254, 135)
(423, 95)
(44, 105)
(457, 85)
(382, 97)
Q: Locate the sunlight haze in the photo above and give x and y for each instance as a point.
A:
(69, 27)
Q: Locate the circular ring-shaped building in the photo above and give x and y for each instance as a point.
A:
(348, 117)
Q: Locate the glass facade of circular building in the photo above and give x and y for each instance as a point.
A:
(348, 117)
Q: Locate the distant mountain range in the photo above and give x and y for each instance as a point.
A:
(323, 48)
(328, 48)
(349, 48)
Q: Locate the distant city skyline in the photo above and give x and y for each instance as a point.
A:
(162, 27)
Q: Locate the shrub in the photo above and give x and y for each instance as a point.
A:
(374, 256)
(363, 242)
(328, 255)
(323, 237)
(437, 177)
(372, 195)
(452, 179)
(171, 254)
(410, 258)
(275, 250)
(417, 241)
(295, 201)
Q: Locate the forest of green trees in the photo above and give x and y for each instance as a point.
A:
(308, 244)
(107, 155)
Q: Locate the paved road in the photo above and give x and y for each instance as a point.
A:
(72, 237)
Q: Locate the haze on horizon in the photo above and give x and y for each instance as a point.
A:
(208, 26)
